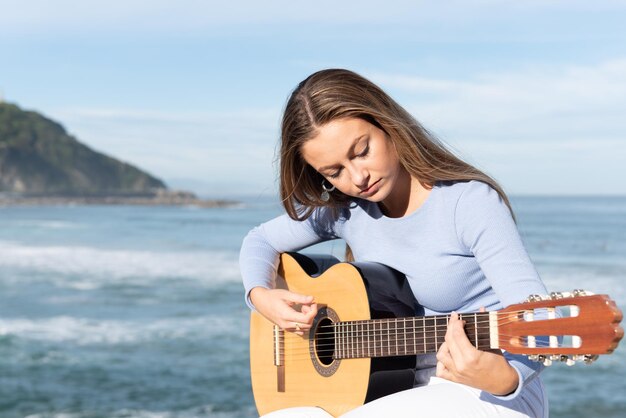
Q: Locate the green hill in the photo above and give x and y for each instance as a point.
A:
(37, 156)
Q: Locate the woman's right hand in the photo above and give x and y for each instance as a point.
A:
(278, 306)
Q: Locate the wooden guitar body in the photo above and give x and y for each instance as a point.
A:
(309, 377)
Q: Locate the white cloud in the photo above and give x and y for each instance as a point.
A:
(40, 16)
(538, 130)
(219, 148)
(574, 101)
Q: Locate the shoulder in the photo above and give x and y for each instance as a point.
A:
(475, 205)
(471, 195)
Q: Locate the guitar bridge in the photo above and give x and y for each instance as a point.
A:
(279, 358)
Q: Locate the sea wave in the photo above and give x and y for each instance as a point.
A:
(88, 267)
(84, 331)
(198, 412)
(47, 224)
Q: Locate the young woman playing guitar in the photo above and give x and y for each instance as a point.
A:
(355, 165)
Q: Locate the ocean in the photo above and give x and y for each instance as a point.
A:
(127, 311)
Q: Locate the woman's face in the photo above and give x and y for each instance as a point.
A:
(356, 157)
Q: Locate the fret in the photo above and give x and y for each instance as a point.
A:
(342, 339)
(362, 338)
(349, 342)
(375, 342)
(365, 337)
(345, 340)
(442, 327)
(424, 332)
(388, 338)
(355, 340)
(395, 323)
(355, 336)
(337, 353)
(435, 328)
(386, 333)
(476, 328)
(431, 334)
(414, 335)
(404, 333)
(366, 330)
(352, 339)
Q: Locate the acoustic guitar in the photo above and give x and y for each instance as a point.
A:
(364, 339)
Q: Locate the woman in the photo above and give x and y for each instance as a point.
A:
(355, 165)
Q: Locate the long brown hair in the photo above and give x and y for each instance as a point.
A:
(332, 94)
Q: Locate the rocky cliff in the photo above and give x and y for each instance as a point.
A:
(38, 157)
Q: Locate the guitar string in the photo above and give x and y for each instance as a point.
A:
(361, 344)
(408, 334)
(362, 333)
(400, 343)
(401, 321)
(366, 351)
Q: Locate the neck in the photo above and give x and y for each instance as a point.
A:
(404, 336)
(408, 196)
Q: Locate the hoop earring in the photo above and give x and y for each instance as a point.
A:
(325, 196)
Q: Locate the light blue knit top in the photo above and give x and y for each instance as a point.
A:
(460, 251)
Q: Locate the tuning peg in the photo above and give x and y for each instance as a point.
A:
(590, 358)
(567, 360)
(547, 362)
(556, 295)
(533, 357)
(534, 298)
(582, 292)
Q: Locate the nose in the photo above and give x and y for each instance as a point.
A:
(359, 175)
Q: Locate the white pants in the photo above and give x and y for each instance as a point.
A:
(440, 398)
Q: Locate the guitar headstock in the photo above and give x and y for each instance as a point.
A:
(568, 326)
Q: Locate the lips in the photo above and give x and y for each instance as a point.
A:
(371, 188)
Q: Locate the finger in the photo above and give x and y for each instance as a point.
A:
(458, 343)
(482, 309)
(445, 359)
(304, 321)
(441, 370)
(310, 311)
(297, 298)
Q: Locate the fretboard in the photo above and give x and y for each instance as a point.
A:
(404, 336)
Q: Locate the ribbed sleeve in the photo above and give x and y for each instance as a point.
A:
(485, 226)
(258, 258)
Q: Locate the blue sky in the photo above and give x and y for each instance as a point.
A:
(532, 92)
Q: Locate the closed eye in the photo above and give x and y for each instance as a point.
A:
(335, 174)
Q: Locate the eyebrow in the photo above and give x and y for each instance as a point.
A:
(350, 150)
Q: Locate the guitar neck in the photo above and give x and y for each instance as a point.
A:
(404, 336)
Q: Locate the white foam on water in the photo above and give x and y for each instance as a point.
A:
(84, 331)
(199, 412)
(48, 224)
(87, 268)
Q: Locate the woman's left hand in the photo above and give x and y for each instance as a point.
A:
(459, 361)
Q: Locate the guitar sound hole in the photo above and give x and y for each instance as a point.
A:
(325, 341)
(322, 342)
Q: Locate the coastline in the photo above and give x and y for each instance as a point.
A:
(160, 198)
